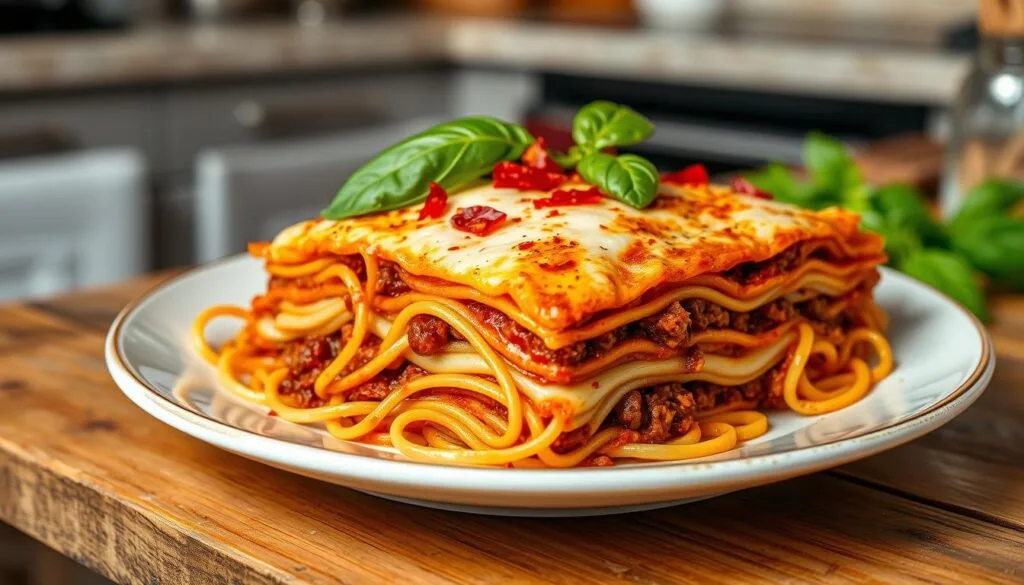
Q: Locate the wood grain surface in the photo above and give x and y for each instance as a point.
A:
(86, 472)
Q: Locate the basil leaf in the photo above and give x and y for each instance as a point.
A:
(994, 245)
(992, 197)
(950, 273)
(785, 187)
(629, 178)
(601, 124)
(452, 154)
(831, 167)
(568, 159)
(856, 198)
(835, 178)
(900, 241)
(904, 207)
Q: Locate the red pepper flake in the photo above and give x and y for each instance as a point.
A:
(553, 213)
(744, 186)
(509, 175)
(569, 197)
(595, 384)
(691, 175)
(272, 413)
(478, 219)
(436, 203)
(454, 248)
(526, 245)
(537, 156)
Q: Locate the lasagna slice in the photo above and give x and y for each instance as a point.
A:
(562, 335)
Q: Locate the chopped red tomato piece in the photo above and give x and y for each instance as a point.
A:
(478, 219)
(743, 185)
(569, 197)
(691, 175)
(436, 203)
(538, 157)
(515, 176)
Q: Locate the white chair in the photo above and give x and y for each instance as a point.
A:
(70, 220)
(249, 193)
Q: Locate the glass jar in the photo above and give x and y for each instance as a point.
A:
(987, 125)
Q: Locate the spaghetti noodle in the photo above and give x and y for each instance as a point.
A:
(380, 349)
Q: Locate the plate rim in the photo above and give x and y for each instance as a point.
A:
(657, 477)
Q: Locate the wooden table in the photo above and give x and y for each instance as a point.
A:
(86, 472)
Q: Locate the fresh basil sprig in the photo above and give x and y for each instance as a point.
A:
(903, 206)
(627, 177)
(452, 154)
(995, 246)
(989, 234)
(949, 272)
(780, 182)
(833, 172)
(985, 236)
(898, 213)
(991, 197)
(599, 125)
(834, 178)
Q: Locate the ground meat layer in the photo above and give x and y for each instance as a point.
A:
(650, 415)
(671, 328)
(307, 358)
(658, 413)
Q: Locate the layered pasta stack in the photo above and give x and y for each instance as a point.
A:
(567, 335)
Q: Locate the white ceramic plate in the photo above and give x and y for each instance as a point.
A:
(944, 360)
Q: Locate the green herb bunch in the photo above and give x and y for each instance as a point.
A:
(985, 237)
(602, 125)
(458, 152)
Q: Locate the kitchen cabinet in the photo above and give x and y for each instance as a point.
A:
(172, 223)
(198, 118)
(71, 220)
(46, 124)
(171, 125)
(220, 144)
(249, 193)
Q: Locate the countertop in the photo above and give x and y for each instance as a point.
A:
(89, 474)
(895, 64)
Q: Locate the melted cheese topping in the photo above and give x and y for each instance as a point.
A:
(561, 265)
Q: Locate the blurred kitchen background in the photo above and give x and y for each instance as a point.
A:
(137, 135)
(144, 134)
